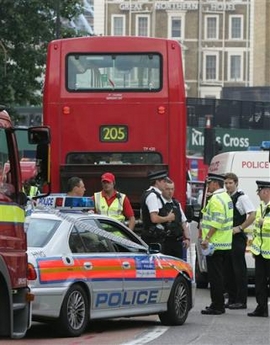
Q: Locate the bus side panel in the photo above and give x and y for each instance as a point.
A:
(52, 112)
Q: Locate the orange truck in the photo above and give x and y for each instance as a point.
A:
(15, 295)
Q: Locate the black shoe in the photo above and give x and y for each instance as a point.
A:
(209, 307)
(258, 313)
(226, 305)
(211, 311)
(237, 306)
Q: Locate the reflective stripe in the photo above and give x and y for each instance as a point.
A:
(11, 213)
(55, 270)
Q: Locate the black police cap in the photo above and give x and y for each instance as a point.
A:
(215, 177)
(263, 184)
(157, 175)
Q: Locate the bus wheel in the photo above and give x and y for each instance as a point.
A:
(178, 304)
(74, 315)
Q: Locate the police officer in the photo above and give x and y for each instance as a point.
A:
(235, 267)
(260, 249)
(217, 224)
(30, 189)
(151, 206)
(177, 231)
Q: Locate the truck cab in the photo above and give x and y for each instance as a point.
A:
(15, 296)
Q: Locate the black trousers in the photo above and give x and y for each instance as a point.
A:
(215, 266)
(173, 246)
(262, 282)
(235, 271)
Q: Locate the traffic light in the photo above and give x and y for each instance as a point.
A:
(35, 120)
(211, 146)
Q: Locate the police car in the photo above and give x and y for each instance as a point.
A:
(84, 266)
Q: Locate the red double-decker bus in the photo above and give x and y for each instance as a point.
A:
(116, 104)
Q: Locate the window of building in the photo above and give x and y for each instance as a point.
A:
(143, 25)
(176, 27)
(236, 27)
(235, 69)
(211, 67)
(118, 25)
(211, 27)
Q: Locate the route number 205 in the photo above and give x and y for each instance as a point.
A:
(113, 133)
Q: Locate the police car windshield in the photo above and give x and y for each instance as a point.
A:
(40, 231)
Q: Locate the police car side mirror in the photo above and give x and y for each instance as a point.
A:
(154, 248)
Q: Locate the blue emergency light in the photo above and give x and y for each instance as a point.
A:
(66, 202)
(75, 201)
(265, 145)
(254, 148)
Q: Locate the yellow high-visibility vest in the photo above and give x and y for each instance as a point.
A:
(261, 235)
(115, 210)
(218, 214)
(33, 191)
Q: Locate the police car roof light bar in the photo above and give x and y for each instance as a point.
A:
(64, 202)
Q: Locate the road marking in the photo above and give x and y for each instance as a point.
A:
(150, 336)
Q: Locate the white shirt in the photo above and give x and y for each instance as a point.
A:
(244, 204)
(152, 201)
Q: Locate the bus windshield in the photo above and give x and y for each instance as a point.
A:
(97, 72)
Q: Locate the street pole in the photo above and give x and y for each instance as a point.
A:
(130, 18)
(5, 57)
(58, 22)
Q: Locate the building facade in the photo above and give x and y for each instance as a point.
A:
(224, 43)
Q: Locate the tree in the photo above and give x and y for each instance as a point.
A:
(26, 27)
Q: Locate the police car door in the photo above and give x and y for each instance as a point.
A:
(101, 268)
(143, 277)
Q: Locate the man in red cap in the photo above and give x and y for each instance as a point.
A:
(112, 203)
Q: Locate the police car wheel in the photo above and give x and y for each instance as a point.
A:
(178, 304)
(74, 315)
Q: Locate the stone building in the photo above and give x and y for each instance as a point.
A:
(224, 43)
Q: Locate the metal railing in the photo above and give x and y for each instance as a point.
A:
(228, 113)
(224, 114)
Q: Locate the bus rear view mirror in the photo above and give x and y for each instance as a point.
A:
(39, 135)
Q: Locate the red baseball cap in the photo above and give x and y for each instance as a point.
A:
(109, 177)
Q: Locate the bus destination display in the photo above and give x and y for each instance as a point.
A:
(113, 133)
